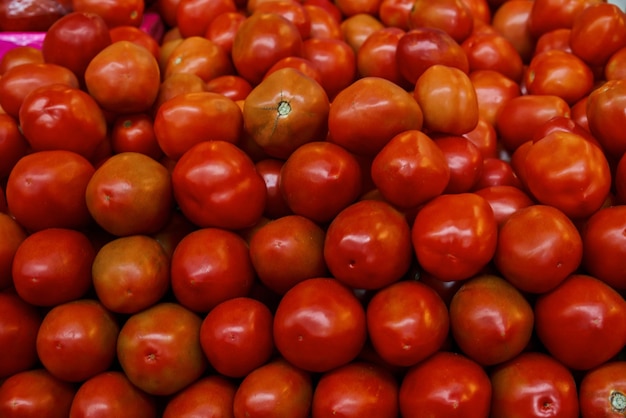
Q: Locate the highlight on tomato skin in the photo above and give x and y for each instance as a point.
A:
(312, 208)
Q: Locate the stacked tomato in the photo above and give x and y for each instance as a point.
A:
(281, 208)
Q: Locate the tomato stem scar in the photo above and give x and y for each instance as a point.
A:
(618, 401)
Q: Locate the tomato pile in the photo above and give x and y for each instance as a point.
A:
(313, 208)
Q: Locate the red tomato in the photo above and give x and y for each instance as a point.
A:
(377, 56)
(19, 324)
(356, 390)
(76, 340)
(455, 235)
(202, 279)
(493, 90)
(510, 20)
(448, 100)
(410, 169)
(212, 395)
(407, 322)
(130, 193)
(446, 384)
(614, 67)
(365, 116)
(490, 320)
(275, 204)
(575, 179)
(136, 35)
(232, 86)
(13, 145)
(286, 251)
(276, 388)
(159, 349)
(533, 384)
(73, 41)
(29, 15)
(191, 118)
(319, 325)
(368, 245)
(352, 8)
(557, 39)
(115, 395)
(114, 12)
(357, 28)
(236, 336)
(129, 86)
(336, 61)
(12, 235)
(135, 133)
(216, 185)
(18, 55)
(395, 13)
(324, 22)
(497, 172)
(193, 17)
(492, 51)
(582, 322)
(223, 28)
(464, 160)
(484, 137)
(35, 393)
(319, 179)
(49, 182)
(200, 56)
(177, 84)
(602, 391)
(452, 16)
(505, 200)
(291, 10)
(547, 15)
(285, 110)
(606, 116)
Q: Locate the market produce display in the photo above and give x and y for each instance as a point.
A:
(312, 208)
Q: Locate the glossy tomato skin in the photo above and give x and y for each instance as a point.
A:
(497, 172)
(493, 90)
(452, 16)
(505, 200)
(135, 133)
(336, 61)
(465, 162)
(12, 234)
(213, 394)
(407, 322)
(115, 13)
(35, 393)
(446, 384)
(200, 56)
(223, 28)
(602, 390)
(137, 36)
(275, 204)
(319, 324)
(547, 15)
(452, 241)
(491, 321)
(581, 322)
(533, 384)
(13, 145)
(357, 28)
(159, 349)
(511, 20)
(377, 55)
(492, 51)
(115, 395)
(193, 17)
(18, 55)
(368, 245)
(605, 114)
(358, 389)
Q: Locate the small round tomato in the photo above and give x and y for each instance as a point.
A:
(223, 28)
(493, 90)
(377, 56)
(602, 391)
(193, 17)
(319, 325)
(395, 13)
(324, 20)
(357, 28)
(452, 16)
(135, 133)
(200, 56)
(293, 11)
(232, 86)
(505, 200)
(407, 322)
(335, 60)
(492, 51)
(464, 160)
(497, 172)
(606, 116)
(455, 235)
(445, 384)
(212, 395)
(582, 322)
(490, 320)
(18, 55)
(136, 35)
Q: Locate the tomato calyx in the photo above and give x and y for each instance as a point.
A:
(618, 401)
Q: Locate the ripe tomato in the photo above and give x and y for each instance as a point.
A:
(18, 55)
(232, 86)
(159, 349)
(136, 35)
(19, 325)
(13, 145)
(505, 200)
(358, 389)
(497, 172)
(275, 204)
(533, 384)
(285, 110)
(490, 320)
(395, 13)
(445, 384)
(510, 20)
(319, 324)
(546, 15)
(193, 17)
(493, 90)
(602, 391)
(293, 11)
(407, 322)
(324, 22)
(582, 322)
(376, 56)
(135, 133)
(455, 235)
(212, 395)
(357, 28)
(605, 115)
(368, 245)
(76, 340)
(29, 15)
(216, 185)
(452, 16)
(114, 12)
(35, 393)
(335, 60)
(614, 67)
(200, 56)
(492, 51)
(12, 235)
(464, 160)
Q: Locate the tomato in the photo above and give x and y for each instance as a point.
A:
(452, 16)
(602, 390)
(212, 395)
(493, 90)
(231, 86)
(129, 86)
(605, 115)
(223, 28)
(420, 48)
(497, 172)
(407, 322)
(12, 235)
(114, 12)
(13, 145)
(492, 51)
(377, 56)
(446, 384)
(76, 340)
(286, 251)
(135, 35)
(319, 179)
(368, 245)
(448, 100)
(191, 118)
(276, 388)
(365, 116)
(130, 193)
(286, 110)
(201, 279)
(35, 393)
(323, 22)
(533, 384)
(29, 15)
(114, 394)
(319, 325)
(177, 84)
(510, 20)
(193, 17)
(159, 349)
(410, 169)
(357, 28)
(454, 235)
(581, 322)
(200, 56)
(50, 183)
(505, 200)
(546, 15)
(335, 60)
(465, 162)
(360, 7)
(358, 389)
(293, 11)
(261, 40)
(19, 324)
(236, 336)
(576, 179)
(135, 133)
(216, 185)
(18, 55)
(395, 13)
(78, 125)
(275, 204)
